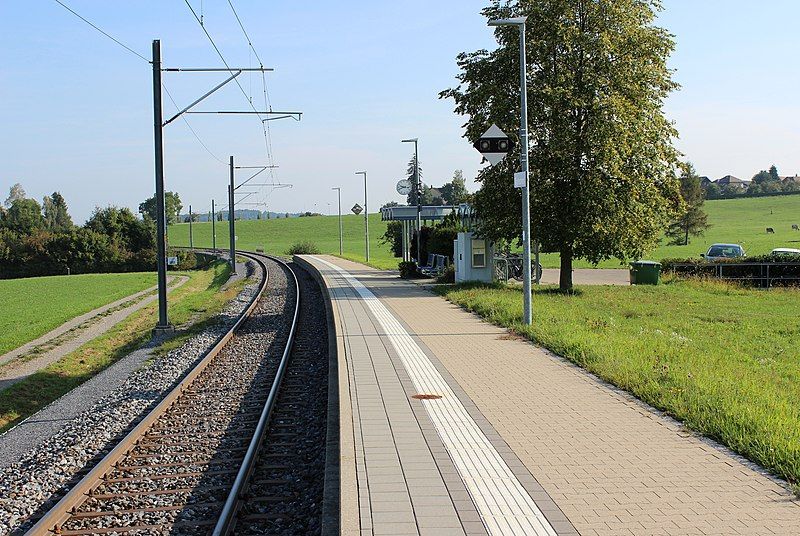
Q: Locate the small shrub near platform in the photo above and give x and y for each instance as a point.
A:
(408, 269)
(448, 276)
(303, 248)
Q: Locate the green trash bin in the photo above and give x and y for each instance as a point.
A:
(645, 272)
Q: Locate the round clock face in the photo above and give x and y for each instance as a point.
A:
(404, 187)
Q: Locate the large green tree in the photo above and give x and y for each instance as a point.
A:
(455, 191)
(410, 171)
(56, 215)
(693, 220)
(172, 207)
(603, 167)
(122, 227)
(24, 216)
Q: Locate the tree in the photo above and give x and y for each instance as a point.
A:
(15, 193)
(412, 197)
(773, 173)
(455, 191)
(24, 216)
(123, 228)
(761, 177)
(56, 216)
(603, 167)
(693, 221)
(172, 207)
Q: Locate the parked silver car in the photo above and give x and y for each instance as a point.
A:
(720, 252)
(785, 251)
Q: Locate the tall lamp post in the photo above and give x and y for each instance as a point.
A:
(519, 22)
(418, 190)
(339, 194)
(366, 214)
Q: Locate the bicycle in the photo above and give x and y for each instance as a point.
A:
(515, 269)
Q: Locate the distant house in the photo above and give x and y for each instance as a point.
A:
(704, 182)
(789, 179)
(730, 180)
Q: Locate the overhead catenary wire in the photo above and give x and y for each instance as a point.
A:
(197, 137)
(132, 51)
(267, 103)
(227, 66)
(117, 41)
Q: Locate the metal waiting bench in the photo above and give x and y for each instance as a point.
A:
(437, 264)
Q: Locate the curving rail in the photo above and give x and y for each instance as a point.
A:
(68, 507)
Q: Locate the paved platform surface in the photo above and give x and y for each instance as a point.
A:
(521, 442)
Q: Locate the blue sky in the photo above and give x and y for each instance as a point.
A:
(77, 117)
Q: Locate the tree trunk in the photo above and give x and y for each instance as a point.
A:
(686, 239)
(565, 279)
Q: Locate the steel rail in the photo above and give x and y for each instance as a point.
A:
(62, 511)
(225, 522)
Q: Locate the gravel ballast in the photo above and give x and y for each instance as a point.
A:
(46, 471)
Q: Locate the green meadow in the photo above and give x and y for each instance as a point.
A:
(277, 235)
(34, 306)
(722, 359)
(192, 307)
(742, 221)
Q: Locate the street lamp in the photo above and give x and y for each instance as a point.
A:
(339, 194)
(418, 189)
(523, 160)
(366, 214)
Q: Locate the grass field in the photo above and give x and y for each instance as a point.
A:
(739, 221)
(276, 236)
(191, 308)
(724, 360)
(34, 306)
(742, 221)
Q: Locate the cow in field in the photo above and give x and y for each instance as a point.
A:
(770, 230)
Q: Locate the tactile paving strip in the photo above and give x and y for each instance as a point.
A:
(503, 503)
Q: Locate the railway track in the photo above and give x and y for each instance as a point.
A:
(209, 459)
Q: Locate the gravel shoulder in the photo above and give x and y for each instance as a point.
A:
(41, 456)
(20, 363)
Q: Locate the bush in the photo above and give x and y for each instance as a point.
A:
(303, 248)
(408, 269)
(739, 269)
(393, 236)
(448, 276)
(435, 240)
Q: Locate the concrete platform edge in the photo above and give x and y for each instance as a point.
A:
(340, 513)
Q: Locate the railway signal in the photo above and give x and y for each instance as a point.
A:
(494, 145)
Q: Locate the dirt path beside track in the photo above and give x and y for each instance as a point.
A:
(20, 363)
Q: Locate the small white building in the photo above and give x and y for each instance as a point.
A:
(473, 258)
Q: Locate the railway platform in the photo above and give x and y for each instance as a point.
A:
(449, 425)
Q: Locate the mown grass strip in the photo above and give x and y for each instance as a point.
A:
(722, 359)
(34, 306)
(192, 307)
